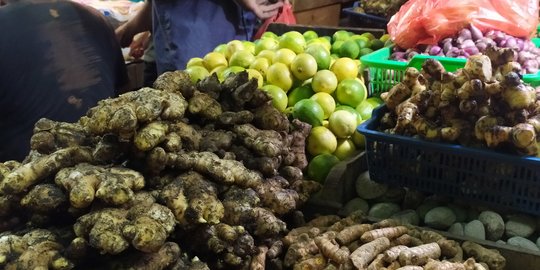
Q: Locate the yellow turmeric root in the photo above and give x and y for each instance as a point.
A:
(390, 233)
(419, 255)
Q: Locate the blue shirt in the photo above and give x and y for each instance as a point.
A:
(186, 29)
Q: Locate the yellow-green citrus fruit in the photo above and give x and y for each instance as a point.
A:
(304, 66)
(376, 44)
(252, 73)
(268, 54)
(359, 140)
(341, 35)
(279, 74)
(310, 34)
(293, 40)
(320, 166)
(221, 48)
(321, 141)
(351, 92)
(352, 110)
(326, 101)
(375, 101)
(265, 44)
(214, 59)
(195, 61)
(384, 37)
(284, 55)
(321, 55)
(226, 72)
(269, 35)
(299, 93)
(197, 73)
(342, 123)
(279, 97)
(336, 47)
(249, 46)
(365, 109)
(350, 49)
(345, 68)
(324, 81)
(232, 47)
(308, 111)
(260, 65)
(365, 51)
(241, 58)
(345, 149)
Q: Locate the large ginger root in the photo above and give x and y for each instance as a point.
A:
(38, 249)
(123, 115)
(216, 140)
(491, 257)
(109, 230)
(30, 173)
(267, 143)
(232, 244)
(205, 106)
(303, 248)
(297, 147)
(84, 182)
(175, 81)
(267, 117)
(50, 136)
(268, 166)
(220, 170)
(275, 195)
(193, 199)
(162, 259)
(242, 208)
(43, 198)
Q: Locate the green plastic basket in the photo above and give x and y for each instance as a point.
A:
(385, 73)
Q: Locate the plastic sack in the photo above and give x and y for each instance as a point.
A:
(285, 15)
(428, 21)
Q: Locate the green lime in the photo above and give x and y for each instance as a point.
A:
(369, 35)
(320, 166)
(299, 93)
(321, 141)
(365, 109)
(350, 49)
(293, 40)
(341, 35)
(308, 111)
(321, 55)
(362, 43)
(376, 44)
(336, 46)
(279, 97)
(351, 110)
(351, 92)
(365, 51)
(310, 34)
(269, 35)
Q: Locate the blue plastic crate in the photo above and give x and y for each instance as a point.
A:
(499, 180)
(359, 19)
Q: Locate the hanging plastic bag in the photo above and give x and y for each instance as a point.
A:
(285, 15)
(428, 21)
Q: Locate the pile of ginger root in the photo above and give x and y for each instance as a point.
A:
(177, 176)
(331, 242)
(484, 104)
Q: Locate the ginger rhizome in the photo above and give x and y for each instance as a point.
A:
(484, 104)
(141, 177)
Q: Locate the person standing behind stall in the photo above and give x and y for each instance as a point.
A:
(186, 29)
(57, 60)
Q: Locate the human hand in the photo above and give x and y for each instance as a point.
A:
(263, 9)
(139, 45)
(123, 35)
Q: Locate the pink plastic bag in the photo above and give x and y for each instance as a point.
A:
(428, 21)
(285, 15)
